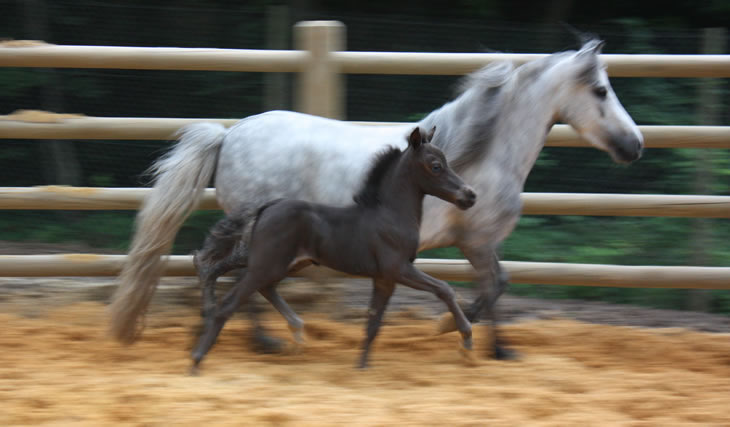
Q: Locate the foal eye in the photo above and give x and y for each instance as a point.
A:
(600, 92)
(435, 168)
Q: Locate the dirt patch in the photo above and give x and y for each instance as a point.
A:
(59, 368)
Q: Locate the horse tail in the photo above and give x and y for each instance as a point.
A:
(181, 177)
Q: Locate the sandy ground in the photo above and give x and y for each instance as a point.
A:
(629, 367)
(58, 368)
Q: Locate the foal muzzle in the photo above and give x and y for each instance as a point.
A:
(466, 199)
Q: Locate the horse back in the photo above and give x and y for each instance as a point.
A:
(282, 154)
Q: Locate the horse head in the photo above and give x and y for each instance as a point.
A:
(591, 107)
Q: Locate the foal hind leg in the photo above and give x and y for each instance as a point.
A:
(296, 324)
(215, 321)
(382, 291)
(214, 260)
(262, 341)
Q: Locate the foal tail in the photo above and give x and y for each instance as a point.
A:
(181, 176)
(234, 230)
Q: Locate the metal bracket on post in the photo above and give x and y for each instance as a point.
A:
(320, 86)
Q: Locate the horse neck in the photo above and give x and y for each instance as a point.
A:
(502, 128)
(399, 192)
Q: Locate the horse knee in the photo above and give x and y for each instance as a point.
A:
(446, 293)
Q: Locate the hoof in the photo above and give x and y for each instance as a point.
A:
(504, 353)
(467, 355)
(264, 344)
(298, 335)
(363, 364)
(294, 348)
(194, 371)
(445, 324)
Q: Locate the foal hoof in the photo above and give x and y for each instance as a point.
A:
(294, 348)
(467, 355)
(264, 344)
(446, 323)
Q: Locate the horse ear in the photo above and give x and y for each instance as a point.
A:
(592, 47)
(598, 48)
(414, 140)
(429, 137)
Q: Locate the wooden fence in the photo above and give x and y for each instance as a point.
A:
(320, 61)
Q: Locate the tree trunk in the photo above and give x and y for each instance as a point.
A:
(58, 158)
(708, 112)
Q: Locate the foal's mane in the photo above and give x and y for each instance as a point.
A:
(368, 194)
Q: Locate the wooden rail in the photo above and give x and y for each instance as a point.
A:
(592, 204)
(44, 125)
(309, 63)
(167, 58)
(78, 265)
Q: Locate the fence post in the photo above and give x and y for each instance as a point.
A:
(320, 87)
(709, 108)
(277, 37)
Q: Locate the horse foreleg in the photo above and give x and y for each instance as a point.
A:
(382, 291)
(493, 282)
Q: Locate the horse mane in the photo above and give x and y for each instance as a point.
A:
(486, 85)
(368, 194)
(490, 86)
(492, 75)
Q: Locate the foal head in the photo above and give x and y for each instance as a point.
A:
(433, 174)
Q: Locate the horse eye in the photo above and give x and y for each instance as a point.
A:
(600, 92)
(436, 167)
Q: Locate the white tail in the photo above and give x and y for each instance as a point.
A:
(181, 177)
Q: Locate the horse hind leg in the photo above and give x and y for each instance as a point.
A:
(219, 255)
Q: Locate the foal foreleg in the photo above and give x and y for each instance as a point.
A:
(414, 278)
(382, 291)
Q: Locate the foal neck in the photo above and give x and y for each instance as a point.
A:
(399, 192)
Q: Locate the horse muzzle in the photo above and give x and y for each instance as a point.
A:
(626, 148)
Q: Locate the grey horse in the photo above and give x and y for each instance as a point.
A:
(491, 134)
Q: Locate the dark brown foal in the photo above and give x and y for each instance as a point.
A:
(377, 236)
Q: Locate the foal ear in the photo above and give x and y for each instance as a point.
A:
(414, 140)
(429, 137)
